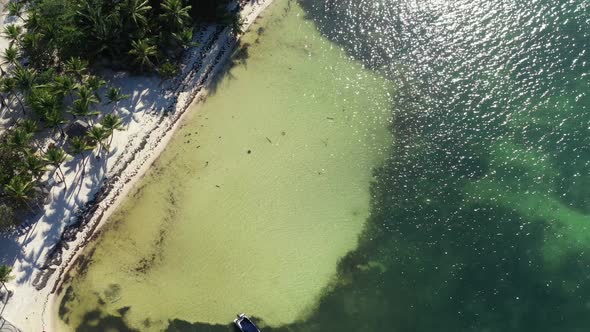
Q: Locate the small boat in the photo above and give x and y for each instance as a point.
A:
(245, 324)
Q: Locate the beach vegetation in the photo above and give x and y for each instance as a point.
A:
(50, 80)
(8, 218)
(55, 156)
(5, 275)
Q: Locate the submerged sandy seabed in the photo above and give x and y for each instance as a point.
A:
(256, 197)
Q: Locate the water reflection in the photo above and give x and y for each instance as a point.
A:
(480, 217)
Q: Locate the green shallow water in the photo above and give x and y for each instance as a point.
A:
(260, 193)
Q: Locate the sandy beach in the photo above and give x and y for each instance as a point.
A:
(43, 250)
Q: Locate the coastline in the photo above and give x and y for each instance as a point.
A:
(41, 266)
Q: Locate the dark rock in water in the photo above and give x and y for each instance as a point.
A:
(122, 311)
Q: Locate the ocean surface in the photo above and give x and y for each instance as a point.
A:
(479, 197)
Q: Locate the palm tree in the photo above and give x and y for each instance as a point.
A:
(114, 95)
(184, 38)
(9, 88)
(55, 157)
(29, 126)
(81, 109)
(86, 96)
(79, 145)
(136, 11)
(19, 139)
(25, 78)
(5, 276)
(63, 85)
(175, 14)
(142, 51)
(42, 101)
(94, 83)
(15, 8)
(54, 119)
(10, 56)
(110, 123)
(97, 135)
(100, 26)
(20, 189)
(77, 67)
(34, 165)
(12, 32)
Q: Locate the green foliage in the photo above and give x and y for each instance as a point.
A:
(47, 73)
(79, 145)
(7, 220)
(175, 15)
(5, 272)
(20, 188)
(54, 25)
(12, 32)
(114, 95)
(143, 52)
(167, 70)
(110, 123)
(127, 33)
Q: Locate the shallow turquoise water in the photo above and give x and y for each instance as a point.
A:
(479, 218)
(262, 190)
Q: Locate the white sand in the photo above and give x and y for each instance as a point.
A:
(32, 252)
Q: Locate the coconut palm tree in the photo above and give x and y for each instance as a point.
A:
(175, 15)
(81, 109)
(31, 127)
(97, 135)
(16, 8)
(34, 165)
(77, 67)
(54, 119)
(42, 101)
(12, 32)
(9, 88)
(55, 157)
(114, 96)
(79, 146)
(136, 11)
(19, 139)
(94, 83)
(20, 189)
(184, 38)
(31, 45)
(25, 79)
(110, 123)
(10, 56)
(143, 51)
(86, 96)
(28, 125)
(5, 276)
(63, 85)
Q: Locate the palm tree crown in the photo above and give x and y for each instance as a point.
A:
(5, 272)
(175, 14)
(143, 51)
(111, 122)
(12, 32)
(10, 55)
(137, 10)
(20, 189)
